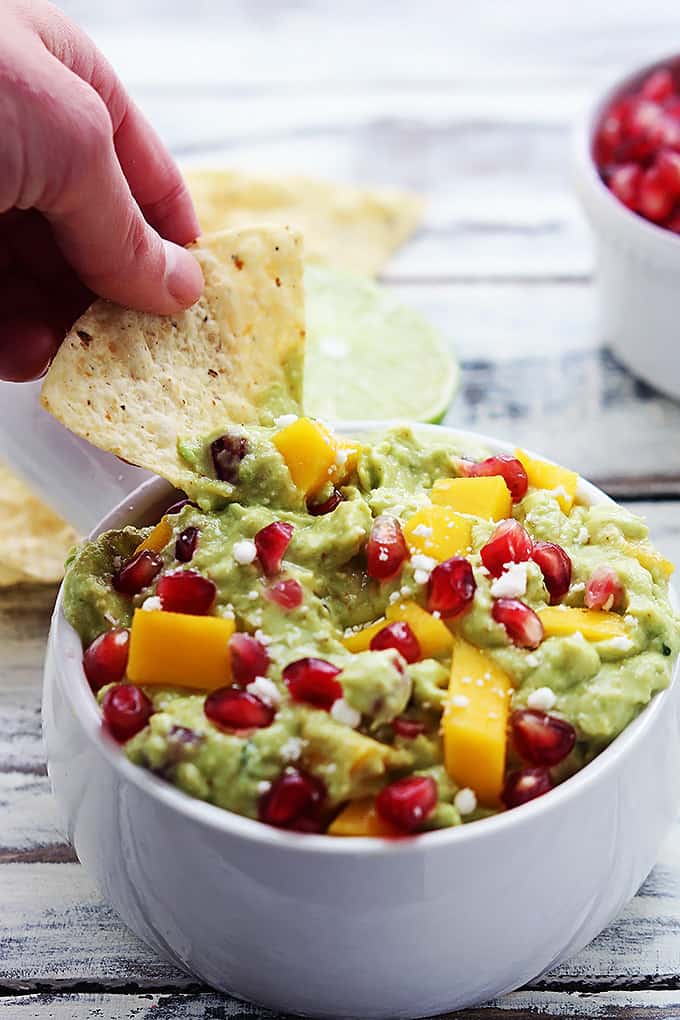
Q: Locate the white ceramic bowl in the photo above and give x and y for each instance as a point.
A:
(637, 262)
(356, 927)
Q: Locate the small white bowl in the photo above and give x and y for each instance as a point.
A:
(637, 262)
(363, 928)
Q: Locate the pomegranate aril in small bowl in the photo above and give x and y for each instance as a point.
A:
(232, 709)
(271, 543)
(386, 549)
(510, 543)
(451, 587)
(522, 625)
(293, 802)
(314, 682)
(186, 591)
(555, 564)
(125, 710)
(105, 660)
(287, 593)
(249, 658)
(604, 590)
(186, 543)
(509, 468)
(227, 452)
(407, 803)
(400, 636)
(540, 738)
(524, 785)
(137, 573)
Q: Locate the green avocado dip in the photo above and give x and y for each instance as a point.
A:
(371, 639)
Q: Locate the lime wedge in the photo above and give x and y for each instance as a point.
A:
(369, 356)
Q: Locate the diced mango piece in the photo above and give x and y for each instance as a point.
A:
(483, 497)
(594, 624)
(475, 722)
(360, 641)
(360, 818)
(434, 637)
(439, 532)
(309, 451)
(158, 539)
(650, 559)
(179, 650)
(543, 475)
(346, 458)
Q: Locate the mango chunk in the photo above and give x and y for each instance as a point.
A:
(360, 641)
(483, 497)
(439, 532)
(360, 818)
(434, 637)
(158, 539)
(179, 650)
(475, 722)
(346, 458)
(543, 475)
(594, 624)
(650, 559)
(309, 451)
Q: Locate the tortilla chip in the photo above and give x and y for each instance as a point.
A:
(34, 542)
(134, 383)
(345, 227)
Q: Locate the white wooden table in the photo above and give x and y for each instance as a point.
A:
(471, 105)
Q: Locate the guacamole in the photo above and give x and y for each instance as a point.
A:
(371, 639)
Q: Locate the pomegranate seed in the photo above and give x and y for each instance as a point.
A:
(232, 709)
(185, 546)
(292, 801)
(521, 623)
(672, 107)
(509, 543)
(525, 785)
(328, 505)
(656, 201)
(625, 183)
(287, 593)
(179, 505)
(509, 468)
(227, 453)
(451, 587)
(105, 660)
(313, 681)
(126, 710)
(407, 803)
(658, 86)
(541, 739)
(668, 165)
(186, 591)
(400, 636)
(668, 134)
(408, 728)
(137, 573)
(249, 658)
(555, 566)
(271, 543)
(604, 590)
(386, 549)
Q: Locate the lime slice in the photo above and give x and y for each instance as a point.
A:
(369, 356)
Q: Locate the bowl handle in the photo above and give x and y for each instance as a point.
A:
(80, 482)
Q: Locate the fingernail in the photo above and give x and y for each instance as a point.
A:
(183, 276)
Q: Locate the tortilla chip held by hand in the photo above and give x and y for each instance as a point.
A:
(134, 383)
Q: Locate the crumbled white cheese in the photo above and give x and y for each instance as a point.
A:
(512, 583)
(460, 700)
(422, 562)
(629, 620)
(284, 420)
(421, 576)
(266, 690)
(152, 603)
(620, 644)
(532, 660)
(292, 748)
(264, 786)
(264, 639)
(543, 699)
(583, 537)
(405, 591)
(437, 615)
(578, 586)
(394, 597)
(244, 551)
(345, 714)
(252, 595)
(383, 555)
(558, 491)
(465, 801)
(423, 530)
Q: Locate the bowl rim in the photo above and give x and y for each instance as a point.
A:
(65, 646)
(654, 234)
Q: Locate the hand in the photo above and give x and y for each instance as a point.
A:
(90, 200)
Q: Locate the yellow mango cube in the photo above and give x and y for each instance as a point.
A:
(158, 539)
(346, 458)
(360, 818)
(434, 637)
(543, 475)
(475, 722)
(488, 498)
(649, 558)
(439, 532)
(309, 451)
(594, 624)
(180, 650)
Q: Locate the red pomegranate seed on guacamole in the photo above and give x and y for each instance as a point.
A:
(105, 660)
(400, 636)
(451, 587)
(137, 573)
(227, 452)
(126, 710)
(327, 506)
(271, 543)
(287, 593)
(232, 709)
(509, 543)
(292, 802)
(604, 590)
(249, 658)
(555, 566)
(186, 543)
(540, 738)
(179, 505)
(509, 468)
(525, 785)
(408, 803)
(522, 625)
(186, 591)
(409, 729)
(386, 549)
(314, 682)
